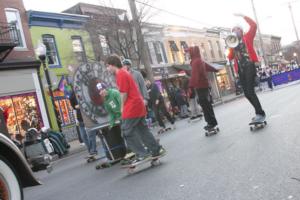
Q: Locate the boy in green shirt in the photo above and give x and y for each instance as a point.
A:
(112, 103)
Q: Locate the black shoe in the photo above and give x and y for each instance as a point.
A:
(198, 116)
(193, 118)
(209, 126)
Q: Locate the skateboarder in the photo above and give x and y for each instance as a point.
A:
(245, 58)
(138, 78)
(134, 126)
(199, 82)
(157, 104)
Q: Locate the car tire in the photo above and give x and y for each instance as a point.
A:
(10, 187)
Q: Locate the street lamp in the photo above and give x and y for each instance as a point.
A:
(41, 51)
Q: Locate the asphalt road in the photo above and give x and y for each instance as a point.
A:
(236, 164)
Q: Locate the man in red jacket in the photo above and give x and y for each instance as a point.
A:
(245, 58)
(199, 82)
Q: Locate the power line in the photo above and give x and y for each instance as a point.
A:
(175, 14)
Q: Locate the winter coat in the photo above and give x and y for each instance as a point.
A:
(199, 69)
(248, 39)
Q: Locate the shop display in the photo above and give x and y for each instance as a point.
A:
(21, 107)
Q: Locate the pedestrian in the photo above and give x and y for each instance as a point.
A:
(199, 81)
(88, 139)
(181, 102)
(157, 103)
(245, 58)
(138, 78)
(134, 126)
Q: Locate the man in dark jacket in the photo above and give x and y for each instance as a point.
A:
(157, 103)
(199, 82)
(244, 62)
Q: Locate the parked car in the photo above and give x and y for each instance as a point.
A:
(15, 173)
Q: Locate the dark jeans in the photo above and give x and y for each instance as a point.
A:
(247, 77)
(208, 111)
(162, 108)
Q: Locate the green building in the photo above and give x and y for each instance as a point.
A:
(68, 45)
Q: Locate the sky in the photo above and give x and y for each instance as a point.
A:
(273, 15)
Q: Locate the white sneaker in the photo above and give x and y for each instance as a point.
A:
(258, 118)
(82, 144)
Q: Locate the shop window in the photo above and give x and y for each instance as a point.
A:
(211, 49)
(52, 53)
(13, 17)
(21, 107)
(78, 49)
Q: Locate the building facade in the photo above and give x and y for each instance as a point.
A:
(68, 46)
(21, 91)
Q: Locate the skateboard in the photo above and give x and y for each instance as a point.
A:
(212, 131)
(90, 158)
(165, 130)
(194, 120)
(257, 125)
(154, 161)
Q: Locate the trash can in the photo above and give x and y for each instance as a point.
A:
(114, 145)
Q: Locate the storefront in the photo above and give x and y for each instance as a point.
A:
(21, 93)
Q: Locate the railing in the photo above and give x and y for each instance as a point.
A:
(8, 34)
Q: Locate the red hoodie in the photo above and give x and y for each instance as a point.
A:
(248, 39)
(199, 69)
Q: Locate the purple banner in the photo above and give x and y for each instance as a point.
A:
(286, 77)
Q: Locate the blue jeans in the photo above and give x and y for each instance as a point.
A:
(84, 135)
(92, 141)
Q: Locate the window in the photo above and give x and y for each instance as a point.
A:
(51, 54)
(174, 50)
(78, 49)
(184, 46)
(210, 46)
(13, 17)
(158, 52)
(203, 52)
(219, 49)
(104, 45)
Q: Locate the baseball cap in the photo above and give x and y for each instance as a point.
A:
(101, 86)
(126, 62)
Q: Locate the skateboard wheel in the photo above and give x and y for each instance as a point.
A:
(265, 122)
(206, 134)
(251, 128)
(155, 163)
(130, 171)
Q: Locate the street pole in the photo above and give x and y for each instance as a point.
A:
(47, 76)
(259, 35)
(140, 40)
(293, 20)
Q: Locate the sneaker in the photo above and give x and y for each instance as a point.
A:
(209, 126)
(198, 116)
(194, 117)
(162, 151)
(82, 144)
(258, 118)
(140, 159)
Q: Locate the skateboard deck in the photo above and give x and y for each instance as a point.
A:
(194, 120)
(154, 161)
(165, 130)
(212, 131)
(257, 125)
(90, 159)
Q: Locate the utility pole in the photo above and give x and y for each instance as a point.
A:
(140, 40)
(293, 20)
(259, 35)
